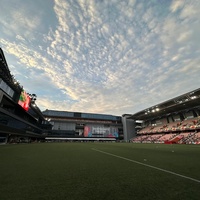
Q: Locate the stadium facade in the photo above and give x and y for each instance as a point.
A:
(174, 121)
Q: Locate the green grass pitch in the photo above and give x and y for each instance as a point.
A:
(75, 171)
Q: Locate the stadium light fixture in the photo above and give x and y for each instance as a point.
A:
(193, 97)
(139, 121)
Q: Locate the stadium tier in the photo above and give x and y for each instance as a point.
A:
(174, 121)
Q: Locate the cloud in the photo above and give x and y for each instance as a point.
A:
(19, 18)
(105, 56)
(176, 5)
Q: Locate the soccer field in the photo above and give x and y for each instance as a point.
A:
(85, 171)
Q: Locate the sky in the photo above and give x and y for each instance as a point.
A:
(102, 56)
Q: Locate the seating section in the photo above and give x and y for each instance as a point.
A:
(195, 139)
(189, 124)
(178, 132)
(146, 130)
(166, 137)
(139, 139)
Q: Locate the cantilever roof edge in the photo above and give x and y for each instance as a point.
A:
(174, 101)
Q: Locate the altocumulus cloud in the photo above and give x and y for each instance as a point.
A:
(102, 56)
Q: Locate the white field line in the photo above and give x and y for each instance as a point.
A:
(146, 165)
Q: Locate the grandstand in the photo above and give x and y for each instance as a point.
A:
(176, 121)
(20, 118)
(83, 126)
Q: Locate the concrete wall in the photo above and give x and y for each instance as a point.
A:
(128, 128)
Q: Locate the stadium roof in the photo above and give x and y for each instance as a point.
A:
(183, 102)
(6, 75)
(68, 114)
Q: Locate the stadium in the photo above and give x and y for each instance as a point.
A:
(151, 154)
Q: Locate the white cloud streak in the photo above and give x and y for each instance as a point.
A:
(109, 56)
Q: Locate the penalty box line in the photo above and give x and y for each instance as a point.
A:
(146, 165)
